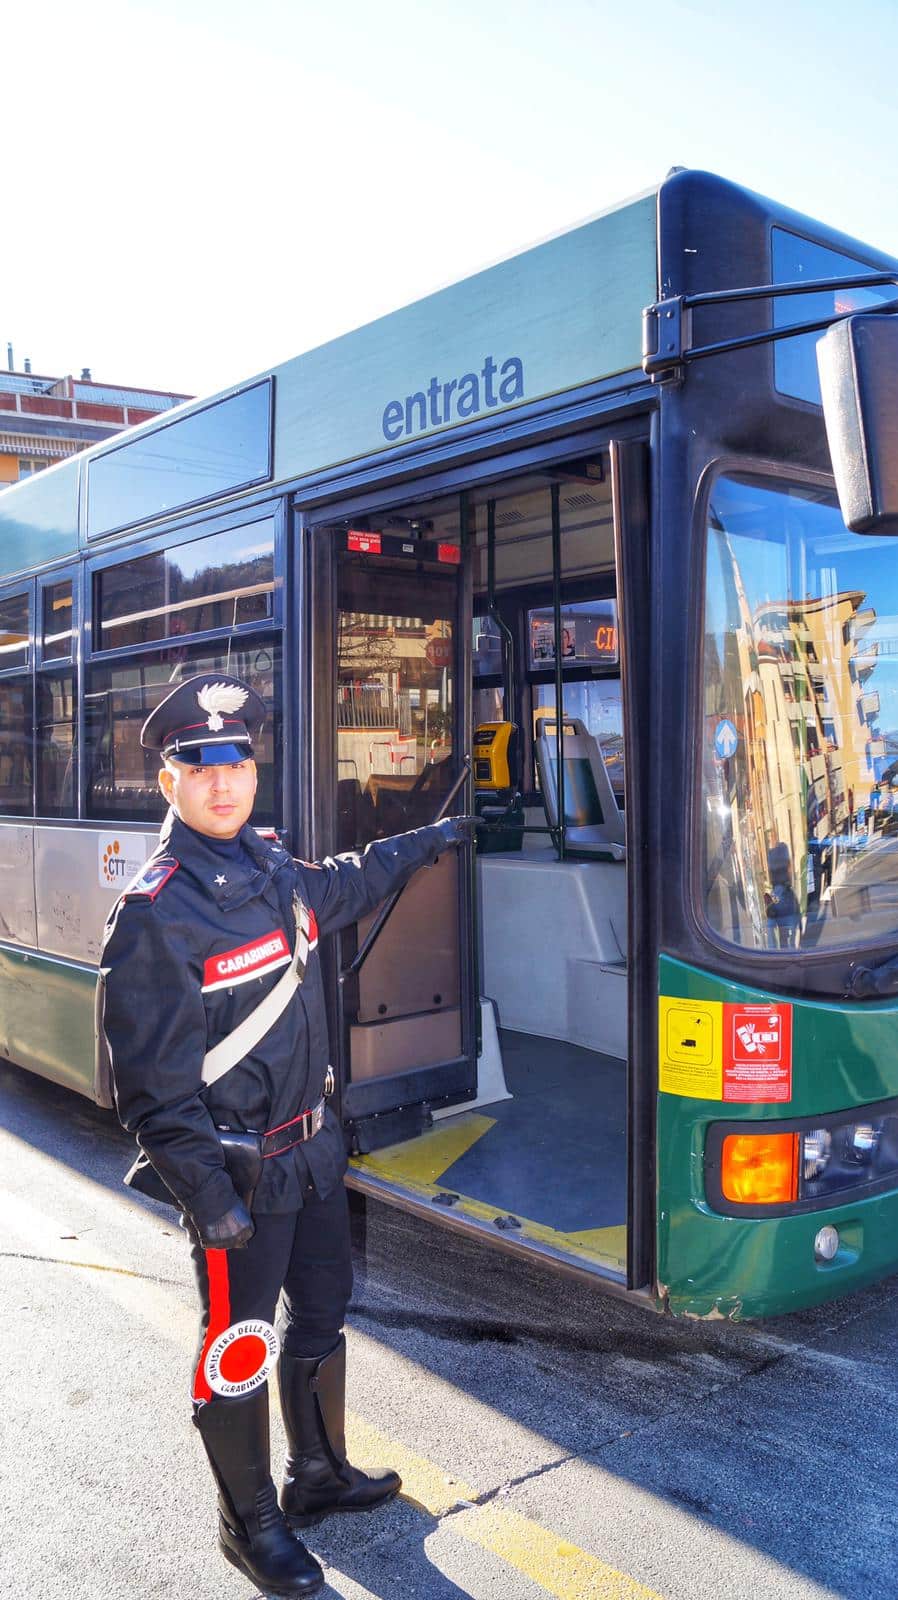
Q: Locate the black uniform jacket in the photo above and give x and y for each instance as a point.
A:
(189, 951)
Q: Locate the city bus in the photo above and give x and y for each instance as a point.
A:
(560, 545)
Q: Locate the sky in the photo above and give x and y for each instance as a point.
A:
(199, 189)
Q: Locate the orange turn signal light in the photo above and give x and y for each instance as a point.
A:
(760, 1169)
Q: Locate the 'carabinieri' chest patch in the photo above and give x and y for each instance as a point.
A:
(246, 962)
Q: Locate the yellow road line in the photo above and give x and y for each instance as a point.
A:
(561, 1569)
(144, 1298)
(66, 1261)
(558, 1567)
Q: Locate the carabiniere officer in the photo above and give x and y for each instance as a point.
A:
(199, 941)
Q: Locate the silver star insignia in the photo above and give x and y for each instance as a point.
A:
(220, 880)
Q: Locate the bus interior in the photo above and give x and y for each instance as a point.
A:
(449, 617)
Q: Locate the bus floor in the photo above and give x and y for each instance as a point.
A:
(547, 1165)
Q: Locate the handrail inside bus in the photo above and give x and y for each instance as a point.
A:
(493, 609)
(559, 673)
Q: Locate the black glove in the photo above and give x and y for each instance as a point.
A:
(457, 830)
(233, 1231)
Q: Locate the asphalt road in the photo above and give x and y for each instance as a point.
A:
(553, 1440)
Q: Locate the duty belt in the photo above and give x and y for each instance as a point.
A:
(296, 1131)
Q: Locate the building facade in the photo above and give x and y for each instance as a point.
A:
(43, 420)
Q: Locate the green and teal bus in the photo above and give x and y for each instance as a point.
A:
(561, 543)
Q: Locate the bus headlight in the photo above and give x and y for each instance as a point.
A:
(864, 1139)
(844, 1154)
(816, 1148)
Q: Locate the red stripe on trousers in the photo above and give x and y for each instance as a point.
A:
(219, 1315)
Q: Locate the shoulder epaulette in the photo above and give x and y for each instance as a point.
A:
(152, 879)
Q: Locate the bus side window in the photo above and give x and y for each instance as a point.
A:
(55, 744)
(16, 767)
(121, 777)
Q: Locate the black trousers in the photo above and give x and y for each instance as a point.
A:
(305, 1254)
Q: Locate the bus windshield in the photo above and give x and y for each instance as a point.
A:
(799, 811)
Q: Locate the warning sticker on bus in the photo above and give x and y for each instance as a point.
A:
(757, 1056)
(713, 1050)
(690, 1040)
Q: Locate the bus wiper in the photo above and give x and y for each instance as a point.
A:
(389, 906)
(873, 983)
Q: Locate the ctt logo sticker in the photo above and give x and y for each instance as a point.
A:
(240, 1359)
(119, 859)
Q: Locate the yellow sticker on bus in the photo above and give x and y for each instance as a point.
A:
(690, 1048)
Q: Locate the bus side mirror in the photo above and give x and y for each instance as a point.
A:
(858, 364)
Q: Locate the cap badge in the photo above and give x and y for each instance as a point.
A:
(218, 697)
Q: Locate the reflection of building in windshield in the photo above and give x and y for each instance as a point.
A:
(796, 674)
(815, 662)
(812, 746)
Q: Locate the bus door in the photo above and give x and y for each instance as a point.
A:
(391, 653)
(483, 1059)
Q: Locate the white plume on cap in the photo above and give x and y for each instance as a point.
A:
(218, 697)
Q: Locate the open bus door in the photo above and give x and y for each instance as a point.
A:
(481, 1032)
(391, 756)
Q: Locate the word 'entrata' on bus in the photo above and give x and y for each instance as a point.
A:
(635, 603)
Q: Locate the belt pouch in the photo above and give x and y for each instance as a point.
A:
(243, 1158)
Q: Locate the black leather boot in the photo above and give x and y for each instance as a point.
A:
(318, 1478)
(252, 1531)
